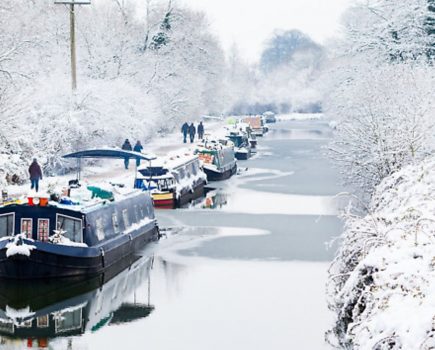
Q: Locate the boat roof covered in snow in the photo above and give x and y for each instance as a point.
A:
(164, 165)
(113, 153)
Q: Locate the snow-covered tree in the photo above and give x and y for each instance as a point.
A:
(381, 281)
(379, 90)
(127, 86)
(284, 79)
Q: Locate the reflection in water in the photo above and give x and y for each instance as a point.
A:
(214, 199)
(298, 134)
(34, 313)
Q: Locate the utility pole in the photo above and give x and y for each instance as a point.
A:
(71, 4)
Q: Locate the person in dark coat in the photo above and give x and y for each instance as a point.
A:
(192, 132)
(185, 131)
(35, 175)
(138, 148)
(126, 146)
(200, 131)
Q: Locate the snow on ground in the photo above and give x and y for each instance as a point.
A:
(382, 282)
(113, 170)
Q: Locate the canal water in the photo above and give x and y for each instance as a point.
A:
(243, 268)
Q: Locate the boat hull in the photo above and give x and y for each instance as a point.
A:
(168, 200)
(243, 155)
(189, 196)
(164, 200)
(219, 176)
(49, 261)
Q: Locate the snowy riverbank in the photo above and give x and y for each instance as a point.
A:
(113, 170)
(383, 279)
(160, 145)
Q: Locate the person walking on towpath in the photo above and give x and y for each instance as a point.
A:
(126, 146)
(185, 130)
(200, 131)
(35, 175)
(138, 148)
(192, 132)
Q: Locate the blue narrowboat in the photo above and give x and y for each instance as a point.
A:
(41, 238)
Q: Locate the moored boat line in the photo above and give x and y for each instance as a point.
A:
(83, 231)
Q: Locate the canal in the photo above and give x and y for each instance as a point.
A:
(243, 268)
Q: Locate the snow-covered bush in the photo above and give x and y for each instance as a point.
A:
(384, 121)
(382, 282)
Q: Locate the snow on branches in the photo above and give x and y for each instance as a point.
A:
(382, 281)
(384, 121)
(380, 90)
(124, 89)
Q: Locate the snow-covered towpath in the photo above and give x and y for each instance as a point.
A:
(113, 170)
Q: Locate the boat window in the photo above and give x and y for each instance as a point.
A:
(42, 321)
(163, 185)
(25, 324)
(115, 222)
(181, 172)
(99, 228)
(7, 326)
(195, 168)
(188, 170)
(176, 177)
(71, 226)
(43, 229)
(68, 321)
(125, 217)
(145, 210)
(7, 222)
(136, 211)
(27, 227)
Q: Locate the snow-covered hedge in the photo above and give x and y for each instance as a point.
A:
(382, 282)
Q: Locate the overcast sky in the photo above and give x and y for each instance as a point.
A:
(248, 23)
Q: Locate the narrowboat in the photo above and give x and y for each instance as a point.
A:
(173, 181)
(39, 312)
(257, 125)
(242, 147)
(246, 128)
(219, 162)
(269, 117)
(82, 233)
